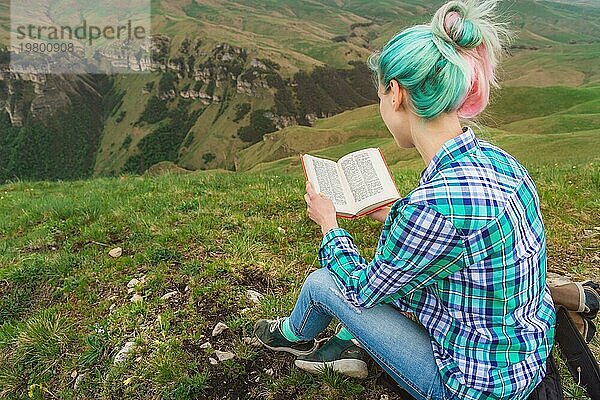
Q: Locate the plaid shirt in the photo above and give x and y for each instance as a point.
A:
(465, 251)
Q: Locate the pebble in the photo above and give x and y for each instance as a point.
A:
(206, 345)
(212, 361)
(132, 283)
(224, 355)
(253, 296)
(122, 354)
(219, 328)
(167, 296)
(78, 380)
(136, 297)
(116, 252)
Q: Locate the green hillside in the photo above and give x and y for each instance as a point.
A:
(205, 238)
(561, 123)
(271, 50)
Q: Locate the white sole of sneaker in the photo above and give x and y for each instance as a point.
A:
(354, 368)
(286, 349)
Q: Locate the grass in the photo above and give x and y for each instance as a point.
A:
(208, 236)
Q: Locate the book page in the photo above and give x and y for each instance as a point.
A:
(367, 177)
(324, 176)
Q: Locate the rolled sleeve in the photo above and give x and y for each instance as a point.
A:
(421, 247)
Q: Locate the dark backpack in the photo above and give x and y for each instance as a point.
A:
(579, 359)
(549, 388)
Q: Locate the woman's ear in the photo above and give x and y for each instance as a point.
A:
(398, 94)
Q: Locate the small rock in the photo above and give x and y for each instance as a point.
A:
(136, 297)
(245, 310)
(219, 328)
(167, 296)
(122, 354)
(252, 341)
(253, 296)
(112, 307)
(384, 397)
(281, 230)
(74, 374)
(116, 252)
(78, 381)
(212, 361)
(224, 355)
(132, 283)
(269, 371)
(206, 345)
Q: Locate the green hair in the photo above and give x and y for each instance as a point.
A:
(447, 65)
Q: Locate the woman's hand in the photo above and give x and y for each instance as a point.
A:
(320, 209)
(380, 215)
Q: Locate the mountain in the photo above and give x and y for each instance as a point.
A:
(228, 73)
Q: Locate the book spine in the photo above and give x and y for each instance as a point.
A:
(303, 167)
(389, 172)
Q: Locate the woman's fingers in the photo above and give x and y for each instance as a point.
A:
(310, 189)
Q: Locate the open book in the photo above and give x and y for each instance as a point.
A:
(359, 183)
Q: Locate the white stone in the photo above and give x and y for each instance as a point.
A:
(167, 296)
(122, 354)
(116, 252)
(281, 230)
(219, 328)
(269, 371)
(224, 355)
(132, 283)
(136, 297)
(212, 361)
(206, 345)
(78, 380)
(253, 296)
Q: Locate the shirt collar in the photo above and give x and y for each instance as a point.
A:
(452, 150)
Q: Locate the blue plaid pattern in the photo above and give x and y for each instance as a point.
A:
(465, 251)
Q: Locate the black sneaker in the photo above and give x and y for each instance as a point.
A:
(591, 295)
(342, 356)
(268, 332)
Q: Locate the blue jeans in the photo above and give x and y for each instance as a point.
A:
(399, 345)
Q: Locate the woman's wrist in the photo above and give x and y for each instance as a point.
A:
(326, 227)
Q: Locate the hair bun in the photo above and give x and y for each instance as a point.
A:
(453, 24)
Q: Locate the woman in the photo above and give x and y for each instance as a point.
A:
(464, 251)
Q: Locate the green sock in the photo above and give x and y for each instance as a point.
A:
(287, 332)
(344, 334)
